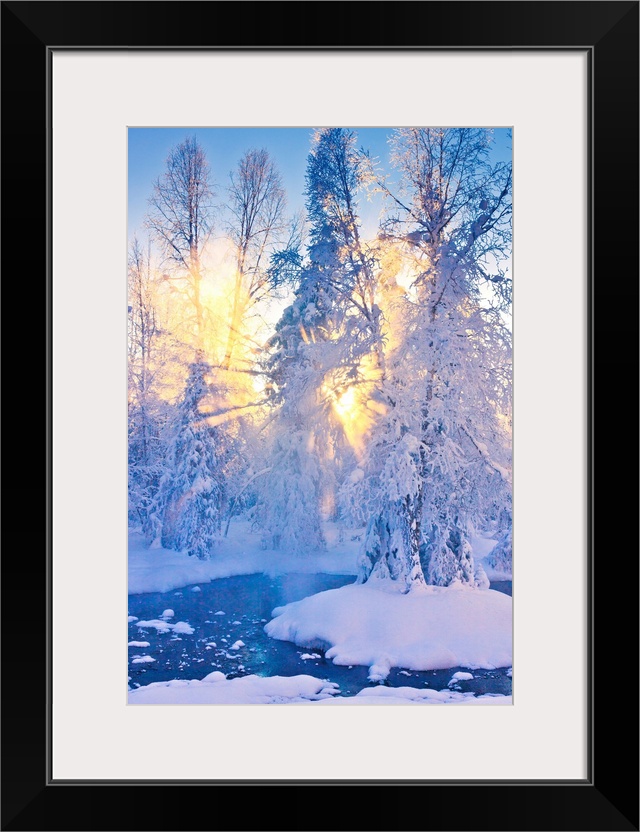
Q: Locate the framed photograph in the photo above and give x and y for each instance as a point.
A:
(319, 416)
(358, 264)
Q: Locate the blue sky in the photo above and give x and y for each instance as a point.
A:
(289, 147)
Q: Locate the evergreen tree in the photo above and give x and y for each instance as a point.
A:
(192, 490)
(441, 454)
(318, 347)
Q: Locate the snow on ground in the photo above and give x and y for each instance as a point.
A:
(437, 628)
(216, 689)
(241, 553)
(416, 696)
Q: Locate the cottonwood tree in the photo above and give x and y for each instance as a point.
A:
(144, 411)
(256, 203)
(180, 218)
(439, 463)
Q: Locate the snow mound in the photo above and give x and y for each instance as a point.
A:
(216, 689)
(460, 676)
(437, 628)
(417, 696)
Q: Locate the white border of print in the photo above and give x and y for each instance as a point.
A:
(96, 95)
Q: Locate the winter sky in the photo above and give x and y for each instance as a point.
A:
(288, 146)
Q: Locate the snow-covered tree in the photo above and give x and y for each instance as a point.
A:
(190, 502)
(289, 507)
(144, 409)
(180, 219)
(439, 461)
(319, 345)
(337, 173)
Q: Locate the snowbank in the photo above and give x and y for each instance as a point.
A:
(216, 689)
(241, 553)
(161, 570)
(416, 696)
(438, 628)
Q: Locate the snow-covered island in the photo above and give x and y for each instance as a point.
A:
(320, 487)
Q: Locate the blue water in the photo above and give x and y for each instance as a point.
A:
(247, 602)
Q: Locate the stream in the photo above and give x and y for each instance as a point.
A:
(231, 610)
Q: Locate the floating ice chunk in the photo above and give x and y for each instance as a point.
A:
(163, 626)
(237, 645)
(460, 676)
(167, 614)
(183, 627)
(155, 623)
(195, 589)
(138, 644)
(131, 618)
(142, 660)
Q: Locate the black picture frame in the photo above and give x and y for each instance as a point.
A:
(608, 798)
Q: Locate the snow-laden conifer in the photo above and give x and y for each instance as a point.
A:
(191, 496)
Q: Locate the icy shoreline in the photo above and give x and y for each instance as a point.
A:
(161, 570)
(241, 553)
(215, 689)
